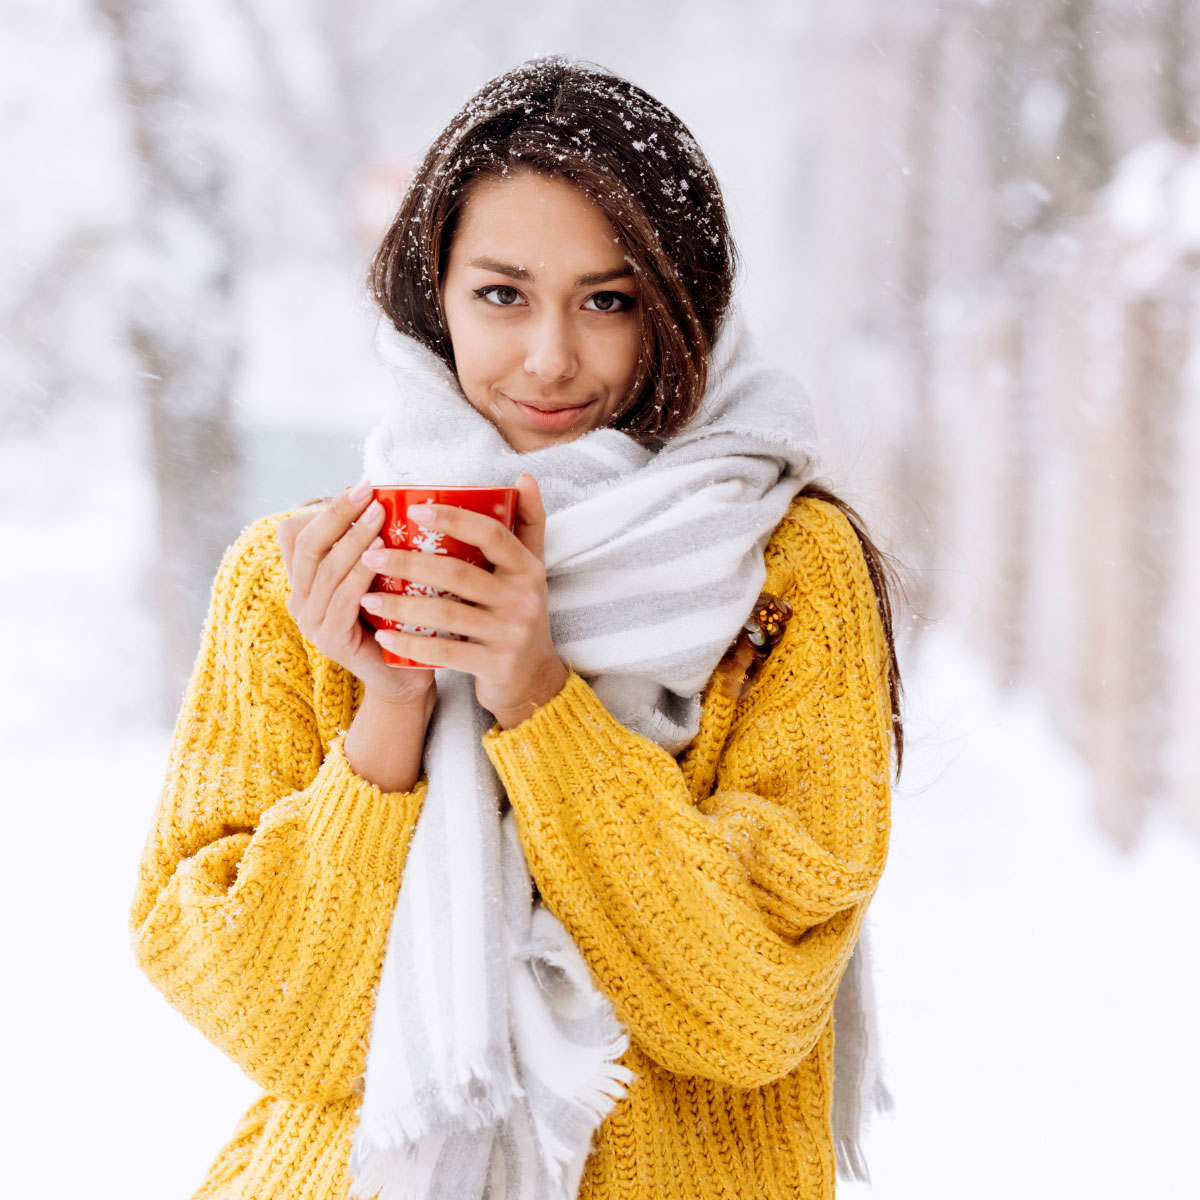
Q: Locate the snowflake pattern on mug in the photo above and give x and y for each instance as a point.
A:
(429, 541)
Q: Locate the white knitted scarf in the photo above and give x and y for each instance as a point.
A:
(492, 1057)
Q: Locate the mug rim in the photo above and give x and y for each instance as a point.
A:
(443, 487)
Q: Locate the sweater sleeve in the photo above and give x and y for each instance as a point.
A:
(719, 925)
(266, 887)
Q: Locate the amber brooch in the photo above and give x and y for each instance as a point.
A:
(761, 633)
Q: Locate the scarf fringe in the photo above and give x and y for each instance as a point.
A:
(474, 1098)
(370, 1174)
(850, 1161)
(847, 1146)
(594, 1101)
(387, 1175)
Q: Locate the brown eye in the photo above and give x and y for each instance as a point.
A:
(609, 302)
(499, 294)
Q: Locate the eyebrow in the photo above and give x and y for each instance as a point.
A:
(501, 268)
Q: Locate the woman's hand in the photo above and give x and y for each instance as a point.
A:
(322, 552)
(505, 619)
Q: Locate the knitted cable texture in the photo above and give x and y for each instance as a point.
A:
(716, 899)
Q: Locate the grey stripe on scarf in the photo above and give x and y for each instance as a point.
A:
(492, 1057)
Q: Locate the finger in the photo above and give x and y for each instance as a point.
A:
(530, 527)
(464, 579)
(443, 613)
(499, 546)
(433, 651)
(315, 540)
(343, 563)
(344, 605)
(287, 532)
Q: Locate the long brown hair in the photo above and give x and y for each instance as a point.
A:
(885, 579)
(639, 164)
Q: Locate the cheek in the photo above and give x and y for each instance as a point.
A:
(623, 356)
(479, 353)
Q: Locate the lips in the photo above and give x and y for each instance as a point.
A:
(546, 416)
(550, 408)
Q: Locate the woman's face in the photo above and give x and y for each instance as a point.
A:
(541, 307)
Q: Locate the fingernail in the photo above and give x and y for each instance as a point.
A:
(360, 491)
(374, 558)
(376, 544)
(372, 602)
(384, 637)
(373, 510)
(423, 514)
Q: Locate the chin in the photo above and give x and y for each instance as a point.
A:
(524, 442)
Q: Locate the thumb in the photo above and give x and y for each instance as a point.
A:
(530, 526)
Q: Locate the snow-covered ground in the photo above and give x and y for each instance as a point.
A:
(1036, 988)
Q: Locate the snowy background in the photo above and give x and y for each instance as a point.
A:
(973, 228)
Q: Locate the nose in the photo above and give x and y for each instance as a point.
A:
(550, 352)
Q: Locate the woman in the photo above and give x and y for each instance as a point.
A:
(331, 892)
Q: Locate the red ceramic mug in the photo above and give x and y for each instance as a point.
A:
(399, 533)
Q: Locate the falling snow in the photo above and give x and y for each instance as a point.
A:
(1036, 986)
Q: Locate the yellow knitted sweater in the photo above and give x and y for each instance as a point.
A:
(716, 898)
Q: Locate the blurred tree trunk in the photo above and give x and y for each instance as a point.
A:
(1085, 145)
(1016, 468)
(1051, 147)
(1178, 78)
(1011, 36)
(321, 119)
(1015, 36)
(1132, 722)
(920, 467)
(181, 325)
